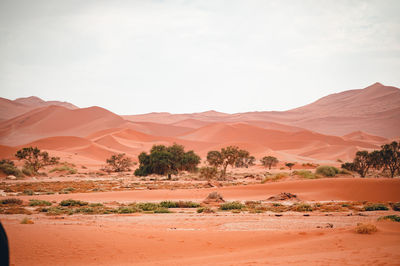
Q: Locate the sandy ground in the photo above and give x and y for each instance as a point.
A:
(223, 238)
(202, 239)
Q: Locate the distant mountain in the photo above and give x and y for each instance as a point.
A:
(10, 109)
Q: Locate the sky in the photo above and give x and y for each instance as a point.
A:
(134, 57)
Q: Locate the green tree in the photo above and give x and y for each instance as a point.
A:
(35, 159)
(390, 156)
(214, 158)
(244, 159)
(290, 165)
(119, 162)
(190, 161)
(208, 172)
(362, 162)
(269, 161)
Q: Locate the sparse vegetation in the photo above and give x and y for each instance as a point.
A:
(328, 171)
(234, 205)
(35, 159)
(11, 201)
(71, 202)
(228, 156)
(26, 220)
(365, 228)
(396, 206)
(208, 173)
(269, 161)
(305, 174)
(35, 202)
(290, 165)
(302, 207)
(119, 163)
(64, 168)
(376, 207)
(394, 218)
(205, 210)
(8, 167)
(274, 178)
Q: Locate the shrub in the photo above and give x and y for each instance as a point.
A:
(129, 209)
(8, 168)
(305, 174)
(303, 207)
(275, 177)
(64, 168)
(26, 170)
(147, 206)
(208, 172)
(179, 204)
(28, 192)
(169, 204)
(96, 205)
(328, 171)
(26, 220)
(119, 163)
(35, 159)
(35, 202)
(396, 206)
(205, 210)
(376, 207)
(394, 218)
(11, 201)
(344, 172)
(234, 205)
(365, 228)
(71, 202)
(161, 210)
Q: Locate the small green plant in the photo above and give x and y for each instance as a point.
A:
(71, 202)
(328, 171)
(376, 207)
(11, 201)
(234, 205)
(394, 218)
(28, 192)
(35, 202)
(179, 204)
(96, 205)
(128, 209)
(274, 178)
(365, 228)
(64, 168)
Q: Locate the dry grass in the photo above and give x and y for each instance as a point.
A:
(26, 220)
(365, 229)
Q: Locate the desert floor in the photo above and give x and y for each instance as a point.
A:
(186, 237)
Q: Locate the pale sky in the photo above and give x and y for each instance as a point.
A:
(191, 56)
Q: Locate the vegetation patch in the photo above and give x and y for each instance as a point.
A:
(205, 210)
(11, 201)
(396, 206)
(234, 205)
(71, 202)
(305, 174)
(376, 207)
(394, 218)
(302, 207)
(35, 202)
(328, 171)
(8, 167)
(26, 220)
(64, 168)
(365, 229)
(275, 178)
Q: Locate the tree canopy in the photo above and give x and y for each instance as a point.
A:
(35, 158)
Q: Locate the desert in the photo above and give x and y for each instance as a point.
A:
(197, 132)
(78, 211)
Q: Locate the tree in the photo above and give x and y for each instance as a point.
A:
(214, 158)
(35, 159)
(164, 160)
(390, 156)
(362, 162)
(229, 154)
(244, 159)
(119, 162)
(269, 161)
(290, 165)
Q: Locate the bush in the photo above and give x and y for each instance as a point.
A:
(8, 168)
(129, 209)
(365, 229)
(64, 168)
(119, 163)
(34, 202)
(394, 218)
(376, 207)
(303, 207)
(328, 171)
(305, 174)
(161, 210)
(275, 177)
(208, 172)
(396, 206)
(205, 210)
(28, 192)
(28, 171)
(234, 205)
(147, 206)
(179, 204)
(71, 202)
(11, 201)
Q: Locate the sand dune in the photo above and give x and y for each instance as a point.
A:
(56, 121)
